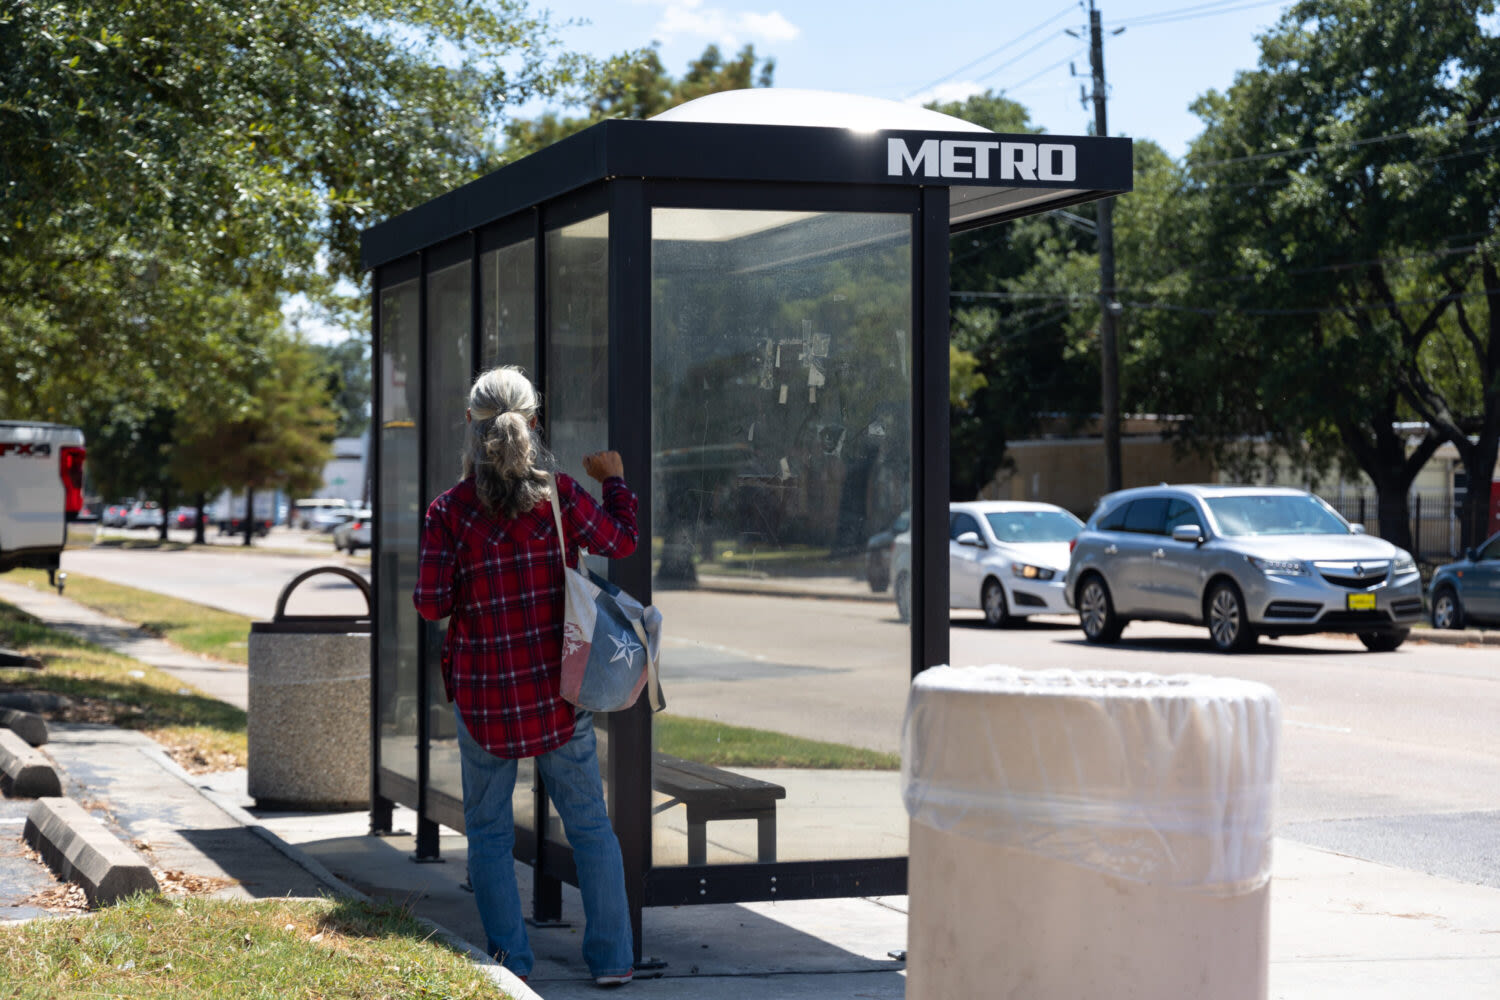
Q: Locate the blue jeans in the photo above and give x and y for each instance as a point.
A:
(571, 775)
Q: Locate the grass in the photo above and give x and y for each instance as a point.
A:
(194, 627)
(735, 746)
(200, 732)
(156, 948)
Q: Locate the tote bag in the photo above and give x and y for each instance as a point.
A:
(611, 642)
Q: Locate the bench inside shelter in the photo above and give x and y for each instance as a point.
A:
(711, 793)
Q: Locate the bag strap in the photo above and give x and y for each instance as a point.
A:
(562, 543)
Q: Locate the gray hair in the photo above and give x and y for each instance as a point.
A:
(502, 450)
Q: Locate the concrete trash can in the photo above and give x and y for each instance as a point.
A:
(1088, 834)
(309, 706)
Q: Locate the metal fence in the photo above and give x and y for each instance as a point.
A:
(1436, 533)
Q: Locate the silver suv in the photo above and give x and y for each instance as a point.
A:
(1245, 561)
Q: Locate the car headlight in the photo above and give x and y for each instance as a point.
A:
(1279, 567)
(1026, 571)
(1404, 564)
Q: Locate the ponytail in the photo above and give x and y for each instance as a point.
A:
(502, 450)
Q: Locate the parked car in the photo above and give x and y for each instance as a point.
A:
(114, 514)
(1005, 557)
(878, 553)
(1467, 592)
(327, 519)
(183, 517)
(353, 533)
(144, 515)
(1244, 561)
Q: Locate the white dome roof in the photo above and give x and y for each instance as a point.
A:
(820, 108)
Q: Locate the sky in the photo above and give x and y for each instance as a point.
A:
(1170, 52)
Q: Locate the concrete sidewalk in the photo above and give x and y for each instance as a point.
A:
(1340, 927)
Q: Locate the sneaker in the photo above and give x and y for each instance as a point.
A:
(615, 979)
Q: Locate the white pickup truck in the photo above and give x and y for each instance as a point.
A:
(41, 490)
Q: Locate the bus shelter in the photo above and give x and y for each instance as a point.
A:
(747, 297)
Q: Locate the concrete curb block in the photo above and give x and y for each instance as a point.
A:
(31, 775)
(28, 725)
(1455, 637)
(81, 849)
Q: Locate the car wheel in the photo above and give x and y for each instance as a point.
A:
(1447, 611)
(1096, 611)
(992, 600)
(903, 596)
(1229, 626)
(1384, 642)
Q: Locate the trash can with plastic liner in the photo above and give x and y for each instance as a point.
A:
(1088, 834)
(309, 706)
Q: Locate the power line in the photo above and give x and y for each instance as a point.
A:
(1075, 296)
(1183, 13)
(1012, 61)
(994, 52)
(1042, 72)
(1329, 146)
(1270, 180)
(1356, 307)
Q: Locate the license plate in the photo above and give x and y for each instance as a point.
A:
(1361, 602)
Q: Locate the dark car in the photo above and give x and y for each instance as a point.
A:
(1467, 592)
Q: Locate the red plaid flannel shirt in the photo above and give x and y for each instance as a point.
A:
(501, 581)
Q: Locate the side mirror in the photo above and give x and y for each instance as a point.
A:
(1188, 533)
(1357, 529)
(971, 539)
(1471, 554)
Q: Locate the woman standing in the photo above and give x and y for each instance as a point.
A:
(489, 559)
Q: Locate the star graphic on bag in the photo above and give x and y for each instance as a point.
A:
(625, 649)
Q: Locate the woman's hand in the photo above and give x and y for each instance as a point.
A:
(603, 464)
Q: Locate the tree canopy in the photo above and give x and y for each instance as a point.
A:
(174, 169)
(1334, 242)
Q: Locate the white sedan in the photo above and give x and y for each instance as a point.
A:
(1005, 557)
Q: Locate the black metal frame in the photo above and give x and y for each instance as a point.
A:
(626, 169)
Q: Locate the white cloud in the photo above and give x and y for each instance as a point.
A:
(770, 27)
(690, 19)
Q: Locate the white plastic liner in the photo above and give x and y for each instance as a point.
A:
(1159, 779)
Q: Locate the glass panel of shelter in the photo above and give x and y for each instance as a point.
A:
(449, 363)
(576, 395)
(396, 525)
(781, 438)
(507, 336)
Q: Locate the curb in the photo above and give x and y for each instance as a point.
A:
(31, 775)
(1455, 637)
(497, 973)
(81, 849)
(28, 725)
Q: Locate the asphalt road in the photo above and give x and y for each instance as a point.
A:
(1392, 757)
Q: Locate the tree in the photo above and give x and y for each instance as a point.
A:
(1338, 240)
(347, 369)
(274, 432)
(636, 85)
(160, 153)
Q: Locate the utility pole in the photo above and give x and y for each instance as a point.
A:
(1109, 305)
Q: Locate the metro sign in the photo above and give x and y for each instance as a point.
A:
(982, 160)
